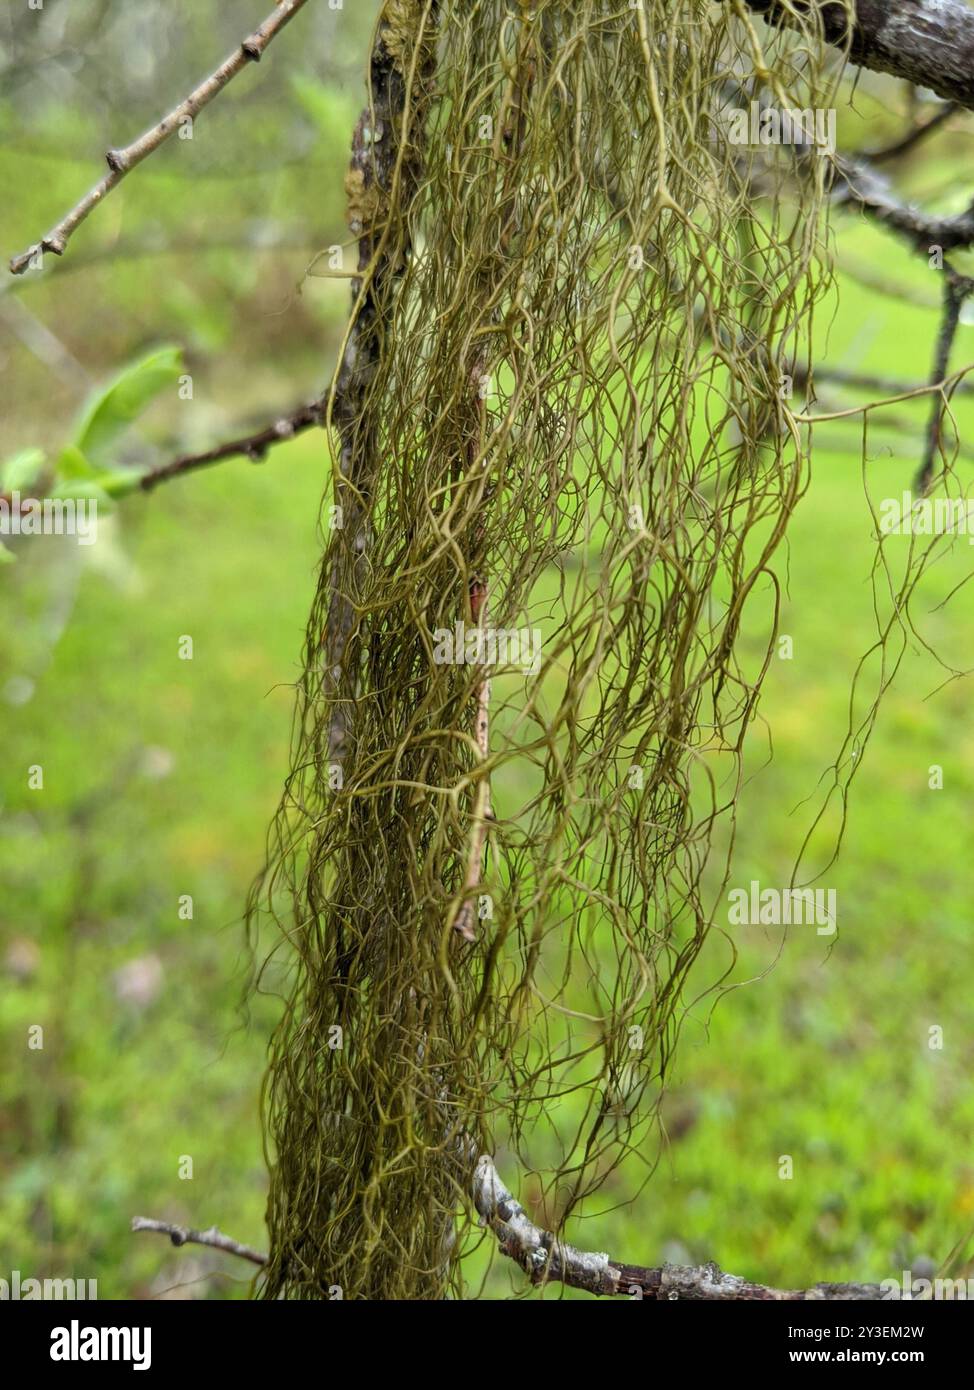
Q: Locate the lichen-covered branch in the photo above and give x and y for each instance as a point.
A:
(547, 1260)
(927, 42)
(491, 250)
(382, 176)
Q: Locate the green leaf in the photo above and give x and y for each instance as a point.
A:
(113, 409)
(20, 470)
(7, 557)
(72, 463)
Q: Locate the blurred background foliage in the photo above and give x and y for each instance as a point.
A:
(160, 774)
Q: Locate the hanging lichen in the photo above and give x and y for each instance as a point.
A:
(563, 463)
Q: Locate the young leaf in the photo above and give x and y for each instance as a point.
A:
(73, 464)
(113, 409)
(20, 470)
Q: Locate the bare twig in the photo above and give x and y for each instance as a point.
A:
(253, 239)
(183, 1235)
(913, 137)
(252, 446)
(547, 1260)
(123, 161)
(957, 288)
(860, 184)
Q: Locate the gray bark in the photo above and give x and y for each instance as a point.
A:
(927, 42)
(547, 1260)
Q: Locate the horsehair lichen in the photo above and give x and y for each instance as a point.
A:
(561, 382)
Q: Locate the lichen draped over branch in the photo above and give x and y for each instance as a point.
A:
(562, 385)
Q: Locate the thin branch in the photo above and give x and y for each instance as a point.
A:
(251, 446)
(183, 1235)
(957, 288)
(547, 1260)
(860, 184)
(123, 161)
(913, 137)
(253, 239)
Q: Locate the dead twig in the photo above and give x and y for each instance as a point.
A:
(252, 446)
(184, 1235)
(123, 161)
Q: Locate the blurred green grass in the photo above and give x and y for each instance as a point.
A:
(96, 1122)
